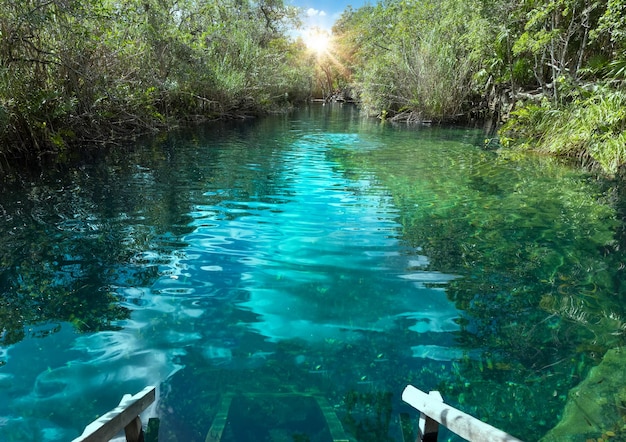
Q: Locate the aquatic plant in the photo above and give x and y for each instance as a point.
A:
(589, 129)
(533, 250)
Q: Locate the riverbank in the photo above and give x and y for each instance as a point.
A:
(96, 74)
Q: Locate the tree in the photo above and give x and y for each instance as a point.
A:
(97, 69)
(414, 60)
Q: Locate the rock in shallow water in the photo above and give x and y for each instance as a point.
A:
(597, 406)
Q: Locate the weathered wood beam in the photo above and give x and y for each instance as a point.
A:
(466, 426)
(220, 420)
(125, 416)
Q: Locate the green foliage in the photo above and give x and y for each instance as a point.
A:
(101, 68)
(613, 23)
(73, 71)
(590, 129)
(408, 62)
(433, 60)
(521, 72)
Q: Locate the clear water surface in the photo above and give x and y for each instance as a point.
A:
(316, 258)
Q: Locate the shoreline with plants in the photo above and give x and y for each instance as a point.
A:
(550, 74)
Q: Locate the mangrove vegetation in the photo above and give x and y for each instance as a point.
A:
(551, 70)
(99, 69)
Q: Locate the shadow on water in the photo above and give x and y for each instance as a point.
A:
(267, 267)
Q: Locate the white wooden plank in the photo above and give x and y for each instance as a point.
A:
(463, 424)
(108, 425)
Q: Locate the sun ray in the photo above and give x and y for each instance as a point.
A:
(317, 40)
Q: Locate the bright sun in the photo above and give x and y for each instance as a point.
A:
(317, 40)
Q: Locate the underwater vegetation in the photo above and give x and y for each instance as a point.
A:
(538, 251)
(335, 259)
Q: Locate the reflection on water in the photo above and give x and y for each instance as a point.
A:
(319, 257)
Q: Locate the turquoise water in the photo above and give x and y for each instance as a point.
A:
(316, 255)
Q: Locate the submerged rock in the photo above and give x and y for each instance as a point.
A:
(596, 408)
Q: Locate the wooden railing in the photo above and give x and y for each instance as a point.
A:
(433, 411)
(125, 416)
